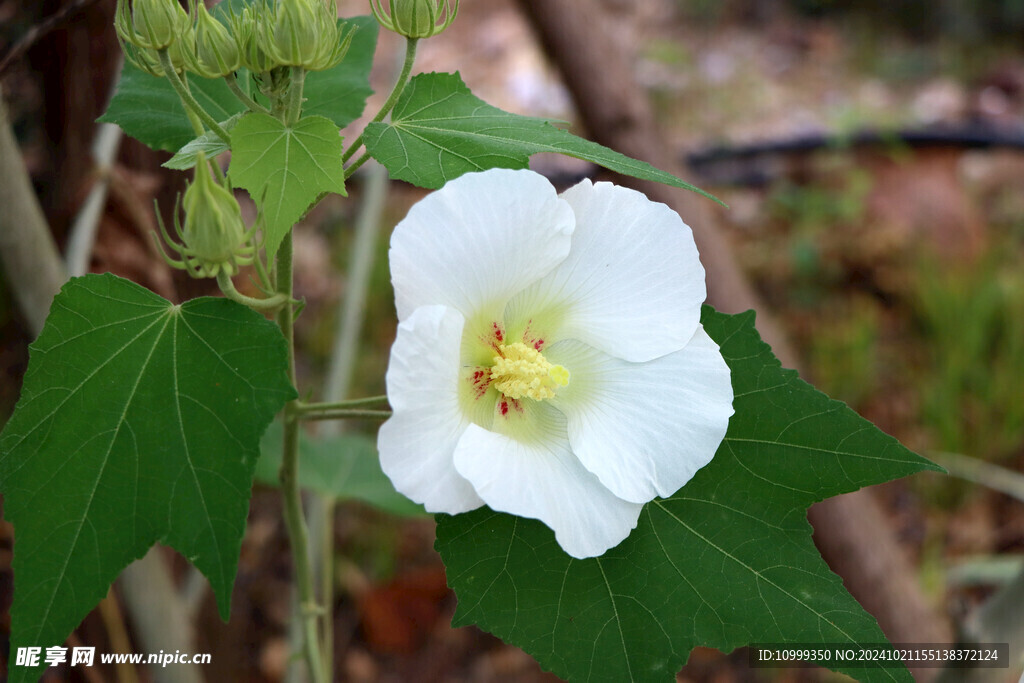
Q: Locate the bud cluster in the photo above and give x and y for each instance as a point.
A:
(263, 36)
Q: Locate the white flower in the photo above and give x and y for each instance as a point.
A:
(549, 360)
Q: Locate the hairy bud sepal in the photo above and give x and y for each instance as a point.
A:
(303, 33)
(415, 18)
(216, 52)
(213, 238)
(245, 29)
(150, 24)
(291, 37)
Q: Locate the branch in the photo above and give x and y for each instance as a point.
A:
(83, 231)
(31, 263)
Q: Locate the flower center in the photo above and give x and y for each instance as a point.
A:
(520, 371)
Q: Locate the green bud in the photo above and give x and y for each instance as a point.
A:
(245, 29)
(151, 24)
(146, 60)
(415, 18)
(214, 232)
(291, 37)
(182, 51)
(333, 42)
(216, 53)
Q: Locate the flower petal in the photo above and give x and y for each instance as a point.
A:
(417, 442)
(477, 241)
(645, 428)
(632, 285)
(542, 479)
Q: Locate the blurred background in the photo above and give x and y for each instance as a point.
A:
(872, 156)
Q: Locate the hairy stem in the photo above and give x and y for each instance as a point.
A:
(303, 408)
(351, 315)
(324, 509)
(345, 414)
(228, 288)
(250, 103)
(354, 166)
(187, 100)
(389, 104)
(197, 124)
(265, 282)
(298, 80)
(289, 477)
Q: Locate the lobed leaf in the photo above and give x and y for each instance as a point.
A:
(440, 130)
(285, 168)
(139, 422)
(726, 561)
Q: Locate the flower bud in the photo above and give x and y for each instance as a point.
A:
(335, 38)
(145, 59)
(182, 51)
(151, 24)
(291, 36)
(246, 29)
(214, 232)
(216, 52)
(415, 18)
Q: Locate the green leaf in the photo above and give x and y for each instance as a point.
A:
(340, 93)
(208, 143)
(726, 561)
(344, 467)
(440, 130)
(148, 109)
(285, 168)
(139, 422)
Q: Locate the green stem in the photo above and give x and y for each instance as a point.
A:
(186, 97)
(351, 315)
(197, 125)
(303, 408)
(354, 166)
(326, 508)
(228, 287)
(289, 477)
(295, 95)
(346, 414)
(243, 97)
(389, 104)
(261, 272)
(219, 172)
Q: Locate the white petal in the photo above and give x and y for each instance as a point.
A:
(645, 428)
(477, 241)
(632, 285)
(542, 479)
(417, 442)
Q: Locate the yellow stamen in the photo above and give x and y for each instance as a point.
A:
(520, 371)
